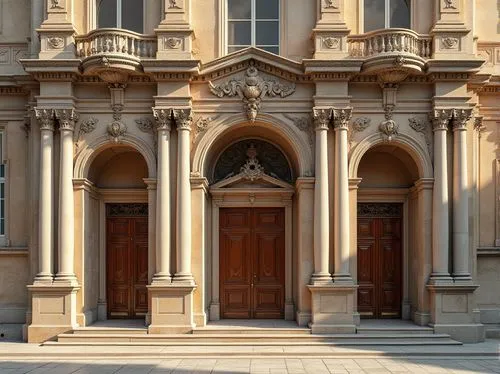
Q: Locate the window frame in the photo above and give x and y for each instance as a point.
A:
(387, 20)
(119, 16)
(4, 161)
(224, 23)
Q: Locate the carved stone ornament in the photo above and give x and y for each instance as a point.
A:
(379, 210)
(45, 118)
(360, 124)
(252, 169)
(182, 118)
(331, 42)
(251, 89)
(173, 42)
(144, 124)
(423, 127)
(450, 42)
(441, 119)
(341, 118)
(331, 4)
(201, 125)
(55, 4)
(56, 42)
(163, 119)
(127, 210)
(86, 127)
(478, 124)
(303, 124)
(116, 130)
(449, 4)
(388, 128)
(173, 4)
(322, 118)
(460, 118)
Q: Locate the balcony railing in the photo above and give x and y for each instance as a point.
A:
(116, 42)
(390, 41)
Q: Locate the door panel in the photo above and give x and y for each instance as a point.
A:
(127, 266)
(252, 262)
(379, 260)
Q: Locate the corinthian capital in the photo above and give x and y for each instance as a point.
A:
(45, 118)
(441, 119)
(67, 119)
(322, 118)
(341, 118)
(163, 119)
(460, 118)
(183, 118)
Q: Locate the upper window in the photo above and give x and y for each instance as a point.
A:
(253, 23)
(122, 14)
(383, 14)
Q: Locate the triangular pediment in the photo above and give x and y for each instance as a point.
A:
(265, 62)
(242, 180)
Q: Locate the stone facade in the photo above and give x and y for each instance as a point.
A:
(95, 116)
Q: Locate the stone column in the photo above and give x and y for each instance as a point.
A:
(45, 118)
(440, 204)
(321, 275)
(163, 118)
(183, 121)
(461, 271)
(66, 273)
(341, 119)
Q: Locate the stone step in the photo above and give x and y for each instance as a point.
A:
(252, 339)
(109, 331)
(251, 331)
(413, 330)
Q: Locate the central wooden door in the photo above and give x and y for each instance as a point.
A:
(252, 259)
(379, 260)
(127, 260)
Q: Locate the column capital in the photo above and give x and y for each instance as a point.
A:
(45, 118)
(341, 118)
(460, 119)
(67, 119)
(441, 118)
(322, 118)
(183, 118)
(163, 119)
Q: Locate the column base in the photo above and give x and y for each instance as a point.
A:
(214, 311)
(289, 310)
(53, 311)
(321, 279)
(421, 318)
(303, 318)
(160, 278)
(171, 309)
(452, 312)
(66, 279)
(184, 279)
(333, 309)
(440, 279)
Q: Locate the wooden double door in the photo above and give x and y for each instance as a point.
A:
(127, 261)
(379, 260)
(252, 262)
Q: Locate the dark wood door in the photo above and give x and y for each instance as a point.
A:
(379, 260)
(252, 258)
(127, 267)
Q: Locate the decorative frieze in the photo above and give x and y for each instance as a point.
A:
(127, 210)
(45, 118)
(252, 88)
(386, 210)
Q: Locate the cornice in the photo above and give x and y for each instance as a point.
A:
(52, 70)
(13, 91)
(171, 70)
(454, 66)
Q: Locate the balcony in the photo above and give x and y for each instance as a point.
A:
(114, 53)
(394, 53)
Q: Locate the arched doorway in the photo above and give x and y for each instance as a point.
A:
(386, 222)
(116, 240)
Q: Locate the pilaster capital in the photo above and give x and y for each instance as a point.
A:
(45, 118)
(322, 118)
(183, 118)
(460, 119)
(441, 118)
(163, 119)
(341, 118)
(67, 119)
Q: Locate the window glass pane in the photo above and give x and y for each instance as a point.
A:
(274, 50)
(267, 9)
(374, 15)
(132, 15)
(106, 13)
(239, 33)
(400, 13)
(239, 9)
(2, 171)
(234, 49)
(2, 227)
(267, 32)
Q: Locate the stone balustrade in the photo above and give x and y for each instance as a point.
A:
(385, 41)
(116, 42)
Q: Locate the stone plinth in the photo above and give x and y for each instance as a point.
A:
(171, 309)
(453, 313)
(333, 309)
(53, 311)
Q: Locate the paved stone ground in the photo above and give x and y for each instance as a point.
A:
(254, 365)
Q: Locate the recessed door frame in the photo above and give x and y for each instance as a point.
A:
(391, 195)
(251, 198)
(106, 196)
